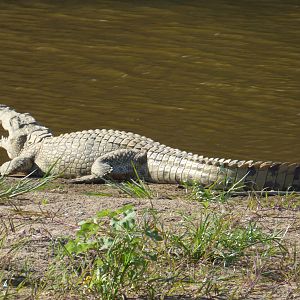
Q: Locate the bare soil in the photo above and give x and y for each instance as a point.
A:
(37, 219)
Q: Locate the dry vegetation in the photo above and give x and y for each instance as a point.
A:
(65, 241)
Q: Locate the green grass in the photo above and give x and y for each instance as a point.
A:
(98, 194)
(135, 188)
(129, 252)
(22, 186)
(212, 193)
(217, 239)
(196, 191)
(8, 191)
(286, 201)
(106, 259)
(116, 254)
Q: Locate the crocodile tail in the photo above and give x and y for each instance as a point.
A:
(223, 173)
(271, 175)
(256, 175)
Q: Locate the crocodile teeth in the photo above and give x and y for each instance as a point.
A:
(3, 140)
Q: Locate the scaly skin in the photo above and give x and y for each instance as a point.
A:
(90, 156)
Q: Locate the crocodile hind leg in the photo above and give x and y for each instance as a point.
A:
(116, 165)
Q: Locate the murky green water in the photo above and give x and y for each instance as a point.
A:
(219, 78)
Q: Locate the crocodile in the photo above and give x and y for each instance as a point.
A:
(91, 156)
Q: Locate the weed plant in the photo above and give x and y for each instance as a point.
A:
(106, 259)
(116, 254)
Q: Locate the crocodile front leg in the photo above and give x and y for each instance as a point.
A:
(117, 165)
(18, 164)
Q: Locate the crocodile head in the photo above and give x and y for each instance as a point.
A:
(23, 130)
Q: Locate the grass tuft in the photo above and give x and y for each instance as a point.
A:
(11, 284)
(22, 186)
(213, 193)
(284, 201)
(135, 188)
